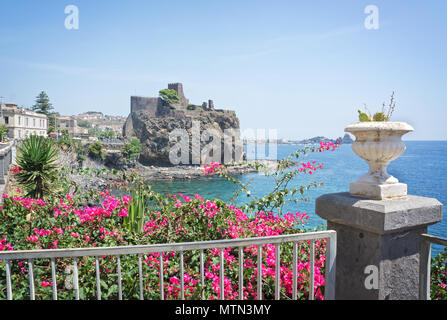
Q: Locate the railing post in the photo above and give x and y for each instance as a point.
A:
(331, 254)
(378, 244)
(3, 170)
(424, 269)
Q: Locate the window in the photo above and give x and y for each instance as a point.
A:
(26, 122)
(20, 119)
(6, 120)
(34, 122)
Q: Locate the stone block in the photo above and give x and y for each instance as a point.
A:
(378, 191)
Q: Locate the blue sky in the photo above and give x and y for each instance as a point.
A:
(302, 67)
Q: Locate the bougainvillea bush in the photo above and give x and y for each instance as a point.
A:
(438, 283)
(96, 219)
(27, 224)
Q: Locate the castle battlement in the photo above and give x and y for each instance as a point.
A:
(178, 87)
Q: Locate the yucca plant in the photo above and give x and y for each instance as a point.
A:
(36, 157)
(135, 218)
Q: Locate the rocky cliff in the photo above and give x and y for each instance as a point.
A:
(152, 120)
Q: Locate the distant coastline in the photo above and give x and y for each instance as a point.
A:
(346, 139)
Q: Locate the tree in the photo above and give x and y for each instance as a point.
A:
(52, 121)
(3, 132)
(132, 150)
(106, 134)
(36, 158)
(169, 95)
(43, 104)
(84, 124)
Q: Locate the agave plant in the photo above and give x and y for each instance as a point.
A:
(135, 218)
(36, 157)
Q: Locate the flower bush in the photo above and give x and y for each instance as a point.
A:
(438, 283)
(27, 224)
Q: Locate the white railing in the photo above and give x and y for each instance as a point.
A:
(425, 263)
(139, 250)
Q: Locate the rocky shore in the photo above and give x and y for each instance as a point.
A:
(159, 173)
(185, 172)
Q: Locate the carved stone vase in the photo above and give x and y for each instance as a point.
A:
(378, 143)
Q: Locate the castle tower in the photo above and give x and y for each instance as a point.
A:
(178, 87)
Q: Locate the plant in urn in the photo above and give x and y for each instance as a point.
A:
(378, 142)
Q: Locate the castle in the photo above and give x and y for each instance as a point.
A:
(153, 119)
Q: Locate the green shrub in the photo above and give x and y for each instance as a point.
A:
(132, 150)
(3, 132)
(96, 151)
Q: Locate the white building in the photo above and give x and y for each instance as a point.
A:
(69, 124)
(21, 122)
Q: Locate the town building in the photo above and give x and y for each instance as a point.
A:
(89, 116)
(22, 122)
(70, 125)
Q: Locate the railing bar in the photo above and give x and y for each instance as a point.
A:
(120, 291)
(435, 239)
(294, 271)
(76, 279)
(140, 275)
(8, 281)
(221, 274)
(277, 271)
(31, 279)
(241, 273)
(182, 278)
(202, 275)
(259, 266)
(312, 270)
(53, 278)
(174, 247)
(162, 289)
(98, 279)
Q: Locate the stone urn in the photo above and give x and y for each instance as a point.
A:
(378, 143)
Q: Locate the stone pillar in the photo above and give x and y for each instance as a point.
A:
(378, 235)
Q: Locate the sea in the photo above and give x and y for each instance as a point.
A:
(422, 167)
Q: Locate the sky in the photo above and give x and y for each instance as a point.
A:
(303, 68)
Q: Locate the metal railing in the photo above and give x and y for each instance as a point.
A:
(139, 250)
(425, 263)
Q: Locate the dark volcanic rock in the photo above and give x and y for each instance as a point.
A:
(115, 160)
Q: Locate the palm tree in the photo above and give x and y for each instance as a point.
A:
(36, 158)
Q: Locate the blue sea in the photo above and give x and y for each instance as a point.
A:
(422, 167)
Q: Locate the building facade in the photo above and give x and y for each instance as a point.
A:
(70, 125)
(22, 122)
